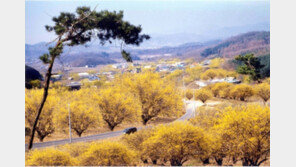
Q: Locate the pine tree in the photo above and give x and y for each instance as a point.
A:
(81, 27)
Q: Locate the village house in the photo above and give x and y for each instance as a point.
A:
(147, 66)
(88, 76)
(56, 77)
(213, 81)
(83, 75)
(136, 70)
(206, 63)
(120, 65)
(162, 67)
(74, 85)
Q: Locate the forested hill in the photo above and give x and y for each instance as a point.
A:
(254, 42)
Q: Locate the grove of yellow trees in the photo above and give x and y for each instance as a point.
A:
(220, 134)
(129, 98)
(240, 91)
(226, 131)
(238, 132)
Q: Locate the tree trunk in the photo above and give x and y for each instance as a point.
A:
(205, 161)
(79, 133)
(234, 160)
(144, 119)
(259, 163)
(111, 127)
(45, 93)
(41, 138)
(245, 162)
(145, 122)
(145, 161)
(219, 161)
(175, 162)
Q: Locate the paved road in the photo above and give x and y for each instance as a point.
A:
(190, 105)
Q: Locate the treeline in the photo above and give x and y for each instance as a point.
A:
(197, 72)
(265, 60)
(231, 91)
(224, 135)
(130, 98)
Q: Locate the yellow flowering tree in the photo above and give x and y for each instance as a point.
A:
(219, 87)
(107, 154)
(213, 73)
(203, 95)
(263, 91)
(193, 73)
(216, 62)
(225, 92)
(49, 157)
(45, 125)
(157, 97)
(74, 149)
(176, 77)
(135, 142)
(246, 132)
(241, 92)
(83, 112)
(177, 142)
(189, 94)
(206, 118)
(117, 106)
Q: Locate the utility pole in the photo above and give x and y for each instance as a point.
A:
(193, 104)
(183, 89)
(70, 135)
(183, 80)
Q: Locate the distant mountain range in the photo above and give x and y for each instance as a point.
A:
(93, 53)
(257, 43)
(161, 40)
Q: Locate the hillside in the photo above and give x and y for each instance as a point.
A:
(94, 54)
(31, 74)
(257, 42)
(252, 42)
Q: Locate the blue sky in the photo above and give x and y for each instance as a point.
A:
(156, 17)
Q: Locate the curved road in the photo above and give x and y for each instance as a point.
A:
(190, 105)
